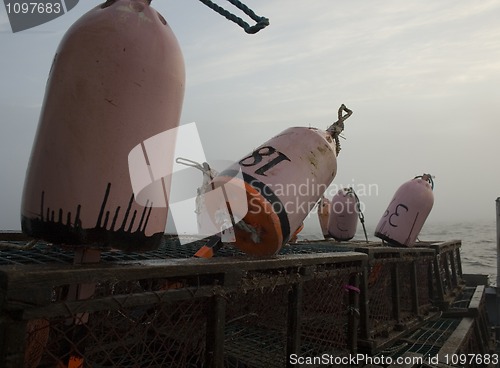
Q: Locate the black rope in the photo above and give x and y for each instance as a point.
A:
(360, 212)
(428, 179)
(261, 22)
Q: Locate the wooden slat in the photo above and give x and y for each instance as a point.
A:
(33, 276)
(457, 338)
(114, 302)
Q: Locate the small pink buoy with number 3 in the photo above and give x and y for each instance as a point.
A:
(406, 214)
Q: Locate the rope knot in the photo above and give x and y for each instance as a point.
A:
(338, 127)
(262, 23)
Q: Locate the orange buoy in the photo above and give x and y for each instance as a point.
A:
(406, 214)
(117, 79)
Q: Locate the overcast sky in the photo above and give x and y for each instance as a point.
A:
(421, 76)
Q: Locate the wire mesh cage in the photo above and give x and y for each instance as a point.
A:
(458, 338)
(426, 340)
(165, 308)
(326, 309)
(471, 303)
(121, 326)
(256, 328)
(448, 281)
(393, 294)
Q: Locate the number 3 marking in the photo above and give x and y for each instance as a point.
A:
(396, 213)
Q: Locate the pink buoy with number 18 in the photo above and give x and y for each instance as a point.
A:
(406, 214)
(283, 178)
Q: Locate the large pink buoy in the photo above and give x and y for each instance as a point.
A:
(343, 219)
(117, 79)
(406, 214)
(283, 179)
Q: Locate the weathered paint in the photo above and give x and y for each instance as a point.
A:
(283, 184)
(343, 219)
(115, 81)
(406, 214)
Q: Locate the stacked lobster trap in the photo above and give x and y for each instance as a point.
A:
(165, 307)
(156, 310)
(447, 267)
(459, 337)
(402, 287)
(395, 296)
(469, 307)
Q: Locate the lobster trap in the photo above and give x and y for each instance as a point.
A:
(471, 304)
(396, 291)
(394, 294)
(164, 308)
(447, 268)
(459, 338)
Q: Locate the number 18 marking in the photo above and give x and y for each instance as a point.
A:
(259, 154)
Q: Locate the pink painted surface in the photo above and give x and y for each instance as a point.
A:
(406, 214)
(292, 171)
(117, 79)
(343, 216)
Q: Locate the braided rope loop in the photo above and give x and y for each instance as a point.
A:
(261, 22)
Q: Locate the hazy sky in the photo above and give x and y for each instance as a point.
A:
(422, 78)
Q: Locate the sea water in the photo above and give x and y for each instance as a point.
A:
(479, 248)
(478, 252)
